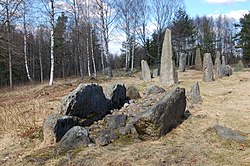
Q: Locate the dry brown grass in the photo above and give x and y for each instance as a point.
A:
(225, 102)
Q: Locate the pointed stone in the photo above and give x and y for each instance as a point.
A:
(182, 62)
(146, 74)
(198, 62)
(195, 94)
(208, 74)
(168, 75)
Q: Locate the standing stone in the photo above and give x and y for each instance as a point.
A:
(182, 62)
(195, 94)
(155, 73)
(146, 75)
(208, 74)
(223, 61)
(226, 69)
(198, 63)
(218, 67)
(167, 71)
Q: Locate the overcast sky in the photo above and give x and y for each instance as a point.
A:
(231, 8)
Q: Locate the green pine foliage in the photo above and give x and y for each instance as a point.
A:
(244, 36)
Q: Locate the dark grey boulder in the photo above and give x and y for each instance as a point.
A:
(55, 126)
(229, 134)
(118, 96)
(195, 94)
(155, 90)
(105, 137)
(162, 117)
(86, 101)
(227, 70)
(77, 136)
(113, 122)
(132, 92)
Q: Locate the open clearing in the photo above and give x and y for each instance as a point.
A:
(225, 102)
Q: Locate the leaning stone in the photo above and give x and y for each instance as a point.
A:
(162, 117)
(86, 101)
(208, 74)
(198, 62)
(182, 62)
(55, 126)
(167, 70)
(113, 122)
(155, 90)
(132, 92)
(146, 75)
(229, 134)
(195, 94)
(76, 137)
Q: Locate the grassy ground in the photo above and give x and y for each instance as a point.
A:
(194, 142)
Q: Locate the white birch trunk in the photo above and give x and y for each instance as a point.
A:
(25, 43)
(88, 56)
(92, 51)
(52, 43)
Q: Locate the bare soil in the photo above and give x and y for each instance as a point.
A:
(226, 102)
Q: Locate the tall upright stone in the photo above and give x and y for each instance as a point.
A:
(146, 74)
(182, 62)
(223, 61)
(218, 67)
(168, 74)
(198, 62)
(208, 74)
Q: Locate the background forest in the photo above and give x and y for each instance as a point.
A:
(46, 39)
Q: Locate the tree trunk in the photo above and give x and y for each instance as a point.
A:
(88, 56)
(9, 49)
(40, 62)
(25, 43)
(92, 51)
(52, 43)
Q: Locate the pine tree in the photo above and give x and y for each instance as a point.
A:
(244, 36)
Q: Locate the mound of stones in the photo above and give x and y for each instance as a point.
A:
(87, 117)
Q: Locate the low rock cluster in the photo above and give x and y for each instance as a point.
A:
(88, 117)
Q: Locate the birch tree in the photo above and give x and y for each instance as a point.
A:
(25, 40)
(52, 24)
(106, 19)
